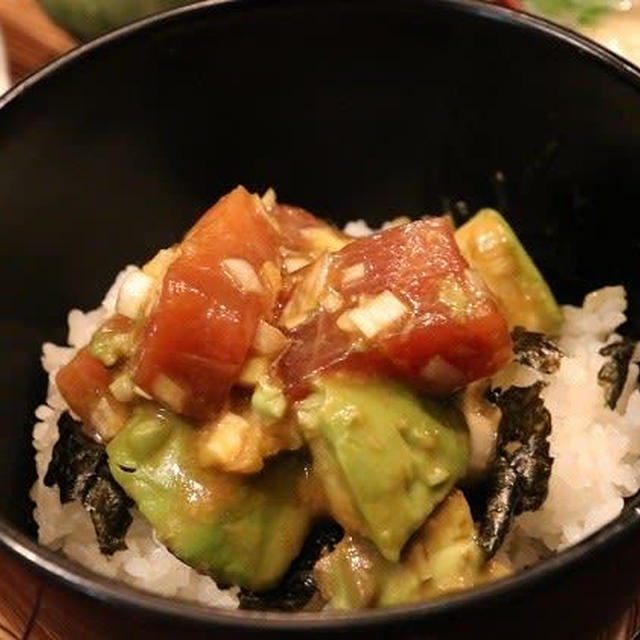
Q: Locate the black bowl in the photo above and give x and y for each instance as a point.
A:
(354, 109)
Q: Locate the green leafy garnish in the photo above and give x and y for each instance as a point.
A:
(581, 12)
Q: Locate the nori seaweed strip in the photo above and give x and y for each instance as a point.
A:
(535, 350)
(532, 464)
(520, 476)
(298, 585)
(613, 373)
(80, 469)
(523, 414)
(503, 496)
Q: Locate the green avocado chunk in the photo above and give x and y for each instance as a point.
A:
(442, 557)
(110, 347)
(489, 245)
(244, 530)
(384, 455)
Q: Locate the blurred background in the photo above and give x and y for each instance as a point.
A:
(37, 31)
(31, 38)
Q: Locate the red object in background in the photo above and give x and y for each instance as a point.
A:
(512, 4)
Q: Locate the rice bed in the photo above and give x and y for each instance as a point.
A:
(596, 460)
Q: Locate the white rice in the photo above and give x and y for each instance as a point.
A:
(596, 455)
(145, 563)
(596, 450)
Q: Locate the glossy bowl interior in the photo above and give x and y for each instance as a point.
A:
(352, 108)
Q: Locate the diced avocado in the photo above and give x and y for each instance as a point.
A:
(243, 530)
(442, 557)
(352, 575)
(268, 400)
(109, 347)
(489, 245)
(385, 456)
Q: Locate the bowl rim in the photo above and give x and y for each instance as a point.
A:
(65, 572)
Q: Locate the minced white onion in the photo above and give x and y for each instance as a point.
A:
(169, 393)
(306, 296)
(158, 265)
(224, 445)
(269, 199)
(268, 340)
(377, 314)
(122, 388)
(134, 294)
(243, 275)
(106, 420)
(270, 275)
(252, 371)
(295, 263)
(353, 273)
(224, 441)
(332, 301)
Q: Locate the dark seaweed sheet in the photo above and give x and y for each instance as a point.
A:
(613, 373)
(520, 477)
(79, 467)
(297, 586)
(503, 495)
(535, 350)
